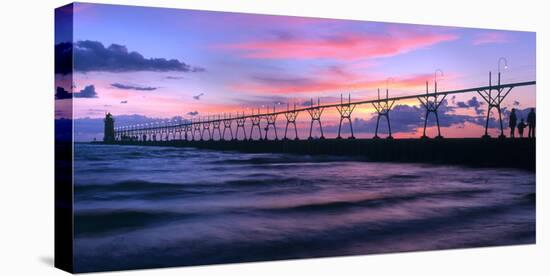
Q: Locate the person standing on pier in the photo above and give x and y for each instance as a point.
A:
(521, 127)
(512, 123)
(531, 122)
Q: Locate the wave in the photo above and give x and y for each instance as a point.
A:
(135, 189)
(264, 181)
(107, 221)
(440, 230)
(373, 202)
(125, 186)
(287, 158)
(139, 189)
(401, 177)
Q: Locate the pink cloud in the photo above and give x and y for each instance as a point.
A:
(350, 46)
(304, 85)
(490, 37)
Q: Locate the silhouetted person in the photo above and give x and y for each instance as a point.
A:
(531, 122)
(521, 127)
(512, 123)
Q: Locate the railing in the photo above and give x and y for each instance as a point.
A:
(493, 95)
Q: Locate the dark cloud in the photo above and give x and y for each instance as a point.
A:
(516, 103)
(471, 103)
(87, 92)
(124, 102)
(63, 58)
(174, 78)
(198, 97)
(133, 87)
(462, 105)
(193, 113)
(61, 93)
(94, 56)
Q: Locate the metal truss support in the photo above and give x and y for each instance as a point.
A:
(383, 108)
(130, 133)
(315, 112)
(171, 131)
(494, 96)
(206, 128)
(271, 120)
(227, 122)
(187, 129)
(256, 120)
(345, 111)
(216, 126)
(431, 103)
(240, 125)
(291, 116)
(164, 134)
(179, 131)
(197, 128)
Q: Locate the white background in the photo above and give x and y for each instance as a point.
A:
(26, 136)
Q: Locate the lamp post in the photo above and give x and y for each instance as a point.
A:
(388, 81)
(435, 78)
(500, 60)
(436, 103)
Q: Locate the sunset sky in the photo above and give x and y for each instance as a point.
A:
(161, 63)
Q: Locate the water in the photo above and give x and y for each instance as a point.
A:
(139, 207)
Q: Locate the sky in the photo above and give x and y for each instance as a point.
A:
(143, 64)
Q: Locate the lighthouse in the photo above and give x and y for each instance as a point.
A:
(109, 132)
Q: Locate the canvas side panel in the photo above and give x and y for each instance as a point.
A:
(64, 138)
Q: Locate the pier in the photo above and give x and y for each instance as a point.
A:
(208, 133)
(493, 95)
(473, 152)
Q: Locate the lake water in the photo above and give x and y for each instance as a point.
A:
(140, 207)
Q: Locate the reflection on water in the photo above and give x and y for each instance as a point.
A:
(138, 207)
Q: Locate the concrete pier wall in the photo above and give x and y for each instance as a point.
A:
(513, 153)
